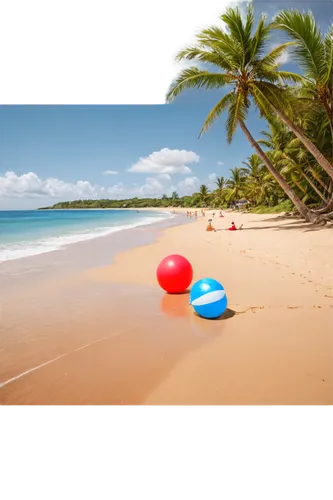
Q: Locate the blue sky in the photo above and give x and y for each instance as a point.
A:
(53, 153)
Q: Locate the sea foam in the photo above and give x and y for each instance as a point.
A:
(22, 249)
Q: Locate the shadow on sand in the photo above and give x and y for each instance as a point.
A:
(294, 224)
(177, 305)
(229, 313)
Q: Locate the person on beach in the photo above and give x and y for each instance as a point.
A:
(234, 228)
(221, 214)
(210, 227)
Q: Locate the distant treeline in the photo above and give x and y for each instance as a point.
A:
(164, 202)
(227, 194)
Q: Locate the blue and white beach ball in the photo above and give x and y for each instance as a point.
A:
(208, 298)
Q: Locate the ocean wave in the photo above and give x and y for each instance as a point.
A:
(15, 251)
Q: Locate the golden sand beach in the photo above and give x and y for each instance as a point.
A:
(110, 335)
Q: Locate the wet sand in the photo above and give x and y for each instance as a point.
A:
(109, 335)
(115, 352)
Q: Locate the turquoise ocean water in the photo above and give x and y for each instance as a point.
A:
(33, 232)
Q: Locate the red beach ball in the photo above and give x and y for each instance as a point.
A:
(174, 274)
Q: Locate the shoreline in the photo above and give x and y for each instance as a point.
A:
(111, 336)
(77, 256)
(109, 230)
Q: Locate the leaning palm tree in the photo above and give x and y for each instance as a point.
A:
(237, 55)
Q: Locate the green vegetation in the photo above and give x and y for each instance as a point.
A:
(284, 206)
(251, 185)
(294, 159)
(292, 164)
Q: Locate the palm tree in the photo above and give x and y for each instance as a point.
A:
(287, 152)
(221, 183)
(259, 186)
(203, 194)
(236, 184)
(174, 196)
(237, 55)
(218, 196)
(313, 53)
(254, 166)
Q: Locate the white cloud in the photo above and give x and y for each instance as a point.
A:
(110, 172)
(220, 163)
(165, 177)
(116, 191)
(31, 186)
(166, 161)
(29, 190)
(188, 186)
(212, 177)
(153, 187)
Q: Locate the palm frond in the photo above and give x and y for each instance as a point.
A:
(260, 37)
(326, 65)
(295, 143)
(265, 143)
(216, 111)
(303, 29)
(270, 59)
(216, 40)
(233, 20)
(266, 134)
(237, 111)
(216, 57)
(195, 78)
(263, 104)
(272, 95)
(288, 76)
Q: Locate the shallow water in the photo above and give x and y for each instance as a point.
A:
(33, 232)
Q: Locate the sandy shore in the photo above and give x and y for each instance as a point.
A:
(109, 335)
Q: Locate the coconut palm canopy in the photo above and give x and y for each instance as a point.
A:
(251, 75)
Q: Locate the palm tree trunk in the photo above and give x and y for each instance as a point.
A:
(329, 203)
(314, 187)
(327, 208)
(317, 177)
(329, 113)
(320, 158)
(308, 215)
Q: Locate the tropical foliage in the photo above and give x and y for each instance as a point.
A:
(295, 158)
